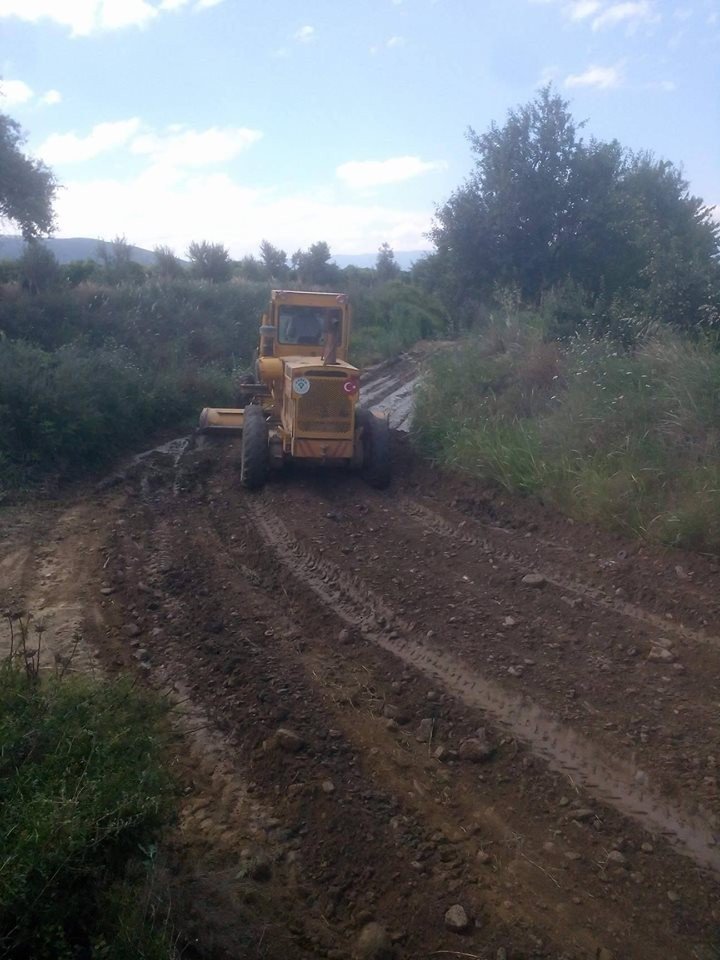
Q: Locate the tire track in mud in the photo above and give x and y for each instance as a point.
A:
(610, 779)
(438, 525)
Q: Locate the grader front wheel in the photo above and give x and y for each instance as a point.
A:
(376, 466)
(255, 454)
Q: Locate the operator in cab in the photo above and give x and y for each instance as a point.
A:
(301, 326)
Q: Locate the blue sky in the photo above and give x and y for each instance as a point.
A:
(169, 121)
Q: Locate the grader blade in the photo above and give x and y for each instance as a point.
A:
(221, 420)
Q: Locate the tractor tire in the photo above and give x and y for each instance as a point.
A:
(255, 454)
(376, 468)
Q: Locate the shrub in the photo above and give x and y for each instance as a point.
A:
(75, 408)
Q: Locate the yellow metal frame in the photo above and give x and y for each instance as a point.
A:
(279, 368)
(309, 298)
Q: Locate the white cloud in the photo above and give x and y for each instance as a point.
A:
(603, 78)
(602, 13)
(365, 174)
(84, 17)
(153, 209)
(181, 147)
(177, 147)
(70, 148)
(50, 98)
(396, 42)
(14, 92)
(632, 13)
(582, 9)
(305, 34)
(116, 14)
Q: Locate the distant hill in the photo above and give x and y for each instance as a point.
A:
(66, 249)
(404, 258)
(70, 248)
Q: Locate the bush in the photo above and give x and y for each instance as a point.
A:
(84, 790)
(390, 318)
(74, 409)
(624, 437)
(158, 321)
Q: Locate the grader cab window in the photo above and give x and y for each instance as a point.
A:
(306, 326)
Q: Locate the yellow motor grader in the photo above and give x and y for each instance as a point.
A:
(302, 403)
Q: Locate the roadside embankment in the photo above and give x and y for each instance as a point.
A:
(625, 438)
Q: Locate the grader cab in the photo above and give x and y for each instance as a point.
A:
(303, 401)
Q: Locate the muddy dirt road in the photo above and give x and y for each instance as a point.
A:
(429, 722)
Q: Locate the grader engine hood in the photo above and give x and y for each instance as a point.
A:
(319, 408)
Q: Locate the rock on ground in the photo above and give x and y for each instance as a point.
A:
(456, 918)
(373, 943)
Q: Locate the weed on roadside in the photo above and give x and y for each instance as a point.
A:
(85, 792)
(625, 437)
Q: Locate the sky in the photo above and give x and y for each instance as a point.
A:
(172, 121)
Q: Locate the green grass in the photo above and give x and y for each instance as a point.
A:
(85, 792)
(627, 438)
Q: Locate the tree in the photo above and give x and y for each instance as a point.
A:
(505, 223)
(275, 261)
(543, 209)
(27, 186)
(386, 266)
(38, 267)
(250, 268)
(116, 257)
(167, 264)
(210, 261)
(314, 265)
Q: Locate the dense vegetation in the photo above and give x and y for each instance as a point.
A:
(84, 794)
(627, 438)
(98, 356)
(91, 370)
(557, 253)
(589, 279)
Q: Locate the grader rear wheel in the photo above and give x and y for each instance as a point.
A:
(255, 450)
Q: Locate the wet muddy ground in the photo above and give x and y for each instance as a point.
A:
(424, 722)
